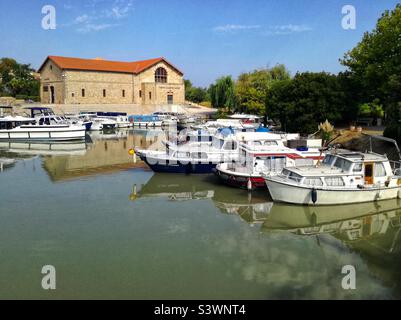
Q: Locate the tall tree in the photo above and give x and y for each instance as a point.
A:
(222, 93)
(376, 62)
(252, 88)
(303, 102)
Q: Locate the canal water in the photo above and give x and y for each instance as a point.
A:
(114, 229)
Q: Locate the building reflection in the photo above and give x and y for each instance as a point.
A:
(108, 153)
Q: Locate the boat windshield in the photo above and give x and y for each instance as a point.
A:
(328, 159)
(342, 164)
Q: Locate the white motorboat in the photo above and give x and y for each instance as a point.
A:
(263, 152)
(224, 123)
(40, 129)
(120, 118)
(193, 156)
(47, 116)
(343, 177)
(98, 123)
(248, 119)
(168, 118)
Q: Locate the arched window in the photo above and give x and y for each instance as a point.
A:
(161, 75)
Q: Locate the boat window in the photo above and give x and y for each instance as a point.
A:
(303, 162)
(343, 164)
(357, 167)
(230, 145)
(313, 181)
(328, 159)
(270, 143)
(182, 154)
(293, 176)
(199, 155)
(334, 181)
(379, 169)
(275, 164)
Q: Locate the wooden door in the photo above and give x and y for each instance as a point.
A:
(368, 173)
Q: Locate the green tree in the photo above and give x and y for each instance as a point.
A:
(252, 88)
(17, 79)
(301, 103)
(195, 94)
(376, 62)
(222, 93)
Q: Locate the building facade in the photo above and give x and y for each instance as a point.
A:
(96, 81)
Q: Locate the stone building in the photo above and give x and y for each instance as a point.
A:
(97, 81)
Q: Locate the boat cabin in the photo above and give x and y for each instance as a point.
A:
(246, 118)
(8, 123)
(347, 169)
(38, 111)
(264, 151)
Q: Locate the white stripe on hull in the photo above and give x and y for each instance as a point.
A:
(56, 135)
(299, 195)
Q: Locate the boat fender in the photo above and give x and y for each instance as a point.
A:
(249, 184)
(314, 195)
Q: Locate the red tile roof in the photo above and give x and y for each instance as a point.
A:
(104, 65)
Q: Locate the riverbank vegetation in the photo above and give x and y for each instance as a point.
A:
(18, 80)
(368, 89)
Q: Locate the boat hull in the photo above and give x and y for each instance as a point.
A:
(295, 194)
(177, 166)
(148, 124)
(43, 134)
(241, 181)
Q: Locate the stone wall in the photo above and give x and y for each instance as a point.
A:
(116, 86)
(145, 82)
(111, 87)
(52, 76)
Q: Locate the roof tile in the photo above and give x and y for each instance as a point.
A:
(104, 65)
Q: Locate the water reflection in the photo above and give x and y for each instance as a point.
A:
(151, 221)
(108, 153)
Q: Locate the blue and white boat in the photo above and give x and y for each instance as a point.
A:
(195, 156)
(145, 121)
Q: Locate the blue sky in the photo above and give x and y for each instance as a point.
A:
(205, 39)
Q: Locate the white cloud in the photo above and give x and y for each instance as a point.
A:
(101, 19)
(120, 10)
(286, 29)
(91, 27)
(234, 27)
(82, 19)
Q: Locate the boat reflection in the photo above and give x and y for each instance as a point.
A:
(108, 153)
(251, 207)
(44, 148)
(6, 163)
(346, 222)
